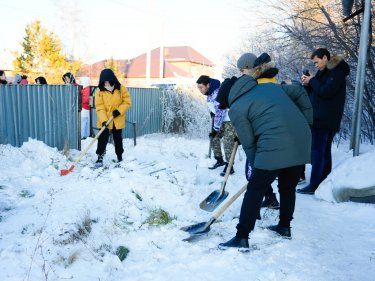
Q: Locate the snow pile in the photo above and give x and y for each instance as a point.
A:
(123, 223)
(353, 178)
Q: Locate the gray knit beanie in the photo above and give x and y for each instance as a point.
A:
(246, 61)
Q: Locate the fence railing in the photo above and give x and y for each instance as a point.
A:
(48, 113)
(51, 113)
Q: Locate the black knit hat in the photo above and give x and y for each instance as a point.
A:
(263, 58)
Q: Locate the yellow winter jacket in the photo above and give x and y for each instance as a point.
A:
(106, 103)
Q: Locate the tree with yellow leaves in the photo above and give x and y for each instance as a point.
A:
(42, 55)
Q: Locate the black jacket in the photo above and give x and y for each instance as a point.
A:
(327, 91)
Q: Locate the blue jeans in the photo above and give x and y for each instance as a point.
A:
(321, 158)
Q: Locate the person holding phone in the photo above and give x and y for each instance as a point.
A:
(327, 91)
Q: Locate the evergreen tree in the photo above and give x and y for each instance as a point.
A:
(42, 55)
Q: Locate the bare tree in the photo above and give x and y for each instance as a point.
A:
(297, 27)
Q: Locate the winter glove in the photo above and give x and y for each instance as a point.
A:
(104, 124)
(237, 140)
(212, 134)
(115, 113)
(212, 114)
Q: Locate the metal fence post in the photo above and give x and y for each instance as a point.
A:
(360, 80)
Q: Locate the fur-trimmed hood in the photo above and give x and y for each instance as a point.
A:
(338, 61)
(257, 71)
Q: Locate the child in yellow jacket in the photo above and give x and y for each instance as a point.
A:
(111, 99)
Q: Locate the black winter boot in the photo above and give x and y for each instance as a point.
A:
(220, 162)
(284, 232)
(119, 158)
(270, 202)
(235, 242)
(99, 162)
(100, 159)
(225, 170)
(307, 190)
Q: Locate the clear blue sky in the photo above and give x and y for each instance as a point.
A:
(94, 30)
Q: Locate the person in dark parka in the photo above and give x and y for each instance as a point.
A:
(265, 71)
(327, 91)
(276, 139)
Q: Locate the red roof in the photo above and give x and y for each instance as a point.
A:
(137, 66)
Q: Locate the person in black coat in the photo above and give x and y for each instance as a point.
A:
(327, 91)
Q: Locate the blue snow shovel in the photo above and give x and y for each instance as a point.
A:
(204, 227)
(217, 196)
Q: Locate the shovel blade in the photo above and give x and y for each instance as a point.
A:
(195, 237)
(198, 228)
(64, 172)
(213, 200)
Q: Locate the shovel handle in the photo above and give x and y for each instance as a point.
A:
(93, 141)
(210, 145)
(229, 168)
(229, 202)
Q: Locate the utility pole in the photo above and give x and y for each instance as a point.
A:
(360, 79)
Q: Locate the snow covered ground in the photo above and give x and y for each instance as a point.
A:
(69, 228)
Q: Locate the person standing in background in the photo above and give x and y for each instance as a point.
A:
(222, 128)
(41, 80)
(3, 79)
(85, 113)
(68, 78)
(327, 91)
(17, 79)
(24, 80)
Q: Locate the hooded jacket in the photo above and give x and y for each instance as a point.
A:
(106, 102)
(266, 73)
(327, 91)
(272, 130)
(221, 115)
(71, 77)
(17, 79)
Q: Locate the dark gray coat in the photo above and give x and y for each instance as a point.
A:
(272, 130)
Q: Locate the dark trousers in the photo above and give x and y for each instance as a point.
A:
(259, 182)
(269, 192)
(321, 157)
(103, 140)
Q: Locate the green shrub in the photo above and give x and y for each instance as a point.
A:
(122, 252)
(159, 216)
